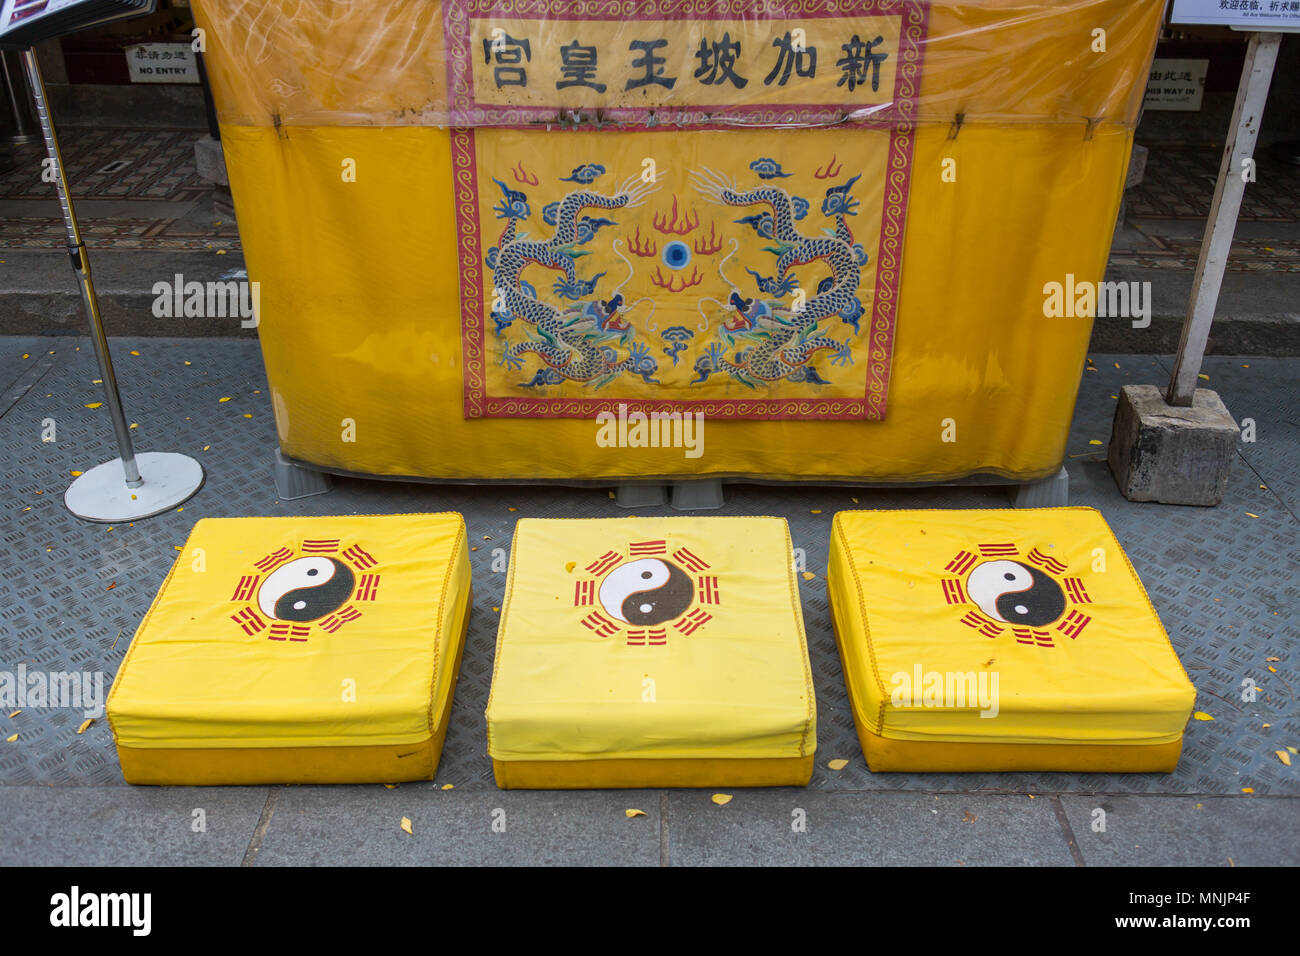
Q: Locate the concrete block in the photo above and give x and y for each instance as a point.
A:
(210, 161)
(293, 481)
(1137, 166)
(1051, 492)
(698, 494)
(640, 496)
(1177, 456)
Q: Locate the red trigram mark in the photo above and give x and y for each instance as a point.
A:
(641, 636)
(595, 621)
(247, 585)
(953, 592)
(584, 593)
(272, 559)
(604, 562)
(1032, 635)
(1075, 589)
(249, 620)
(709, 593)
(693, 621)
(360, 557)
(320, 545)
(982, 624)
(1074, 624)
(641, 548)
(691, 561)
(962, 562)
(292, 632)
(333, 622)
(998, 550)
(1046, 561)
(367, 587)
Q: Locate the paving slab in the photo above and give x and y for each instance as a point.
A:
(1185, 831)
(362, 826)
(791, 827)
(140, 826)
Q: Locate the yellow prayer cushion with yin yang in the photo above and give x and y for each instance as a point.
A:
(643, 652)
(1002, 640)
(297, 650)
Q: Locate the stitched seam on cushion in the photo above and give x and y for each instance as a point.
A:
(862, 610)
(501, 629)
(452, 565)
(797, 607)
(121, 670)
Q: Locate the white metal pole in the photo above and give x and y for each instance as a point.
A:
(1252, 93)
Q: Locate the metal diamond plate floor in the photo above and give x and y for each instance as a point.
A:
(1226, 584)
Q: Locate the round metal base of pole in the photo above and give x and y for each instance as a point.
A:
(101, 494)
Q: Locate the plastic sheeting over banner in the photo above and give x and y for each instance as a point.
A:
(567, 240)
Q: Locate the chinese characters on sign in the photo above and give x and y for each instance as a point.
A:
(1176, 84)
(522, 63)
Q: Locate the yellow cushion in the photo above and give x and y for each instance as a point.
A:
(297, 650)
(654, 652)
(1025, 629)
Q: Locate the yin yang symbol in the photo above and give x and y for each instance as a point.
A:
(646, 592)
(305, 589)
(1015, 593)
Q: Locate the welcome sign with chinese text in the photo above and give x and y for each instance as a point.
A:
(677, 249)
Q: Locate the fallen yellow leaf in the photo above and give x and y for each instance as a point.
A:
(1249, 515)
(1204, 376)
(10, 740)
(406, 825)
(84, 724)
(248, 415)
(497, 610)
(1247, 789)
(838, 763)
(1201, 715)
(15, 714)
(1094, 441)
(854, 500)
(722, 799)
(75, 474)
(135, 353)
(630, 813)
(226, 399)
(1283, 756)
(508, 508)
(449, 786)
(808, 575)
(95, 405)
(187, 363)
(1293, 750)
(815, 511)
(390, 786)
(569, 566)
(1272, 669)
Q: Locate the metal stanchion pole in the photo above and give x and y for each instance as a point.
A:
(115, 490)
